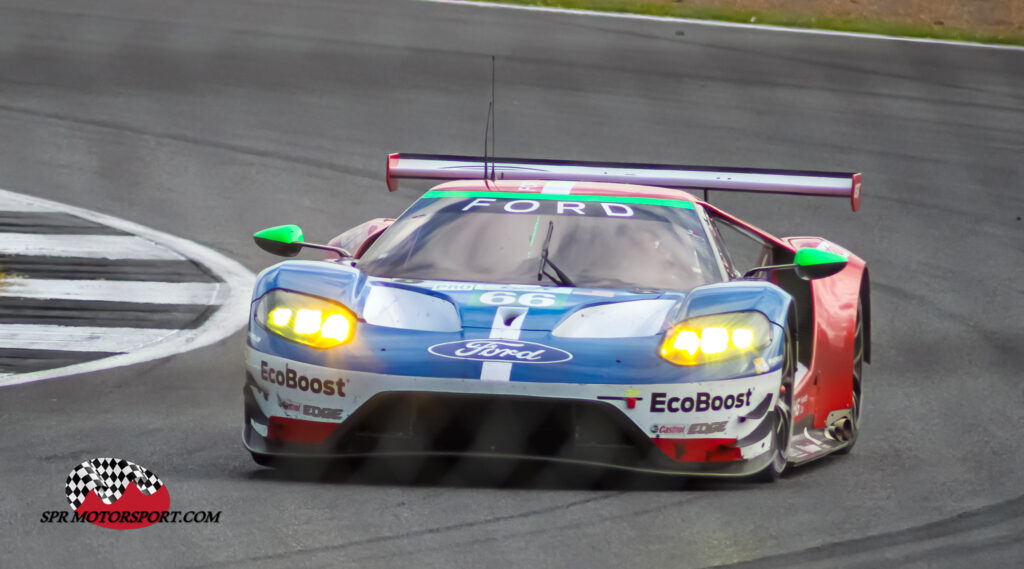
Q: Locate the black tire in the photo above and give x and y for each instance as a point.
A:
(301, 468)
(263, 459)
(858, 370)
(783, 418)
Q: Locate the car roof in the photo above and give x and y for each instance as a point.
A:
(566, 187)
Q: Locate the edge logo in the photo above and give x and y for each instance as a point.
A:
(491, 350)
(693, 429)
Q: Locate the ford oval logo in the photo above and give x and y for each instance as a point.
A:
(490, 350)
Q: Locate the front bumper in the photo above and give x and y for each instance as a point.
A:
(707, 428)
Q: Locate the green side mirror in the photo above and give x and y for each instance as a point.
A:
(283, 240)
(816, 264)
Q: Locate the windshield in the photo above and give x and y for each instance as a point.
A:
(597, 241)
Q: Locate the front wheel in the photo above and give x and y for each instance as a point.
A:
(778, 465)
(782, 416)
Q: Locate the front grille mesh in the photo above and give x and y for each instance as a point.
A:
(508, 425)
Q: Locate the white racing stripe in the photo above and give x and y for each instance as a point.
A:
(502, 371)
(87, 246)
(721, 24)
(140, 345)
(78, 338)
(113, 291)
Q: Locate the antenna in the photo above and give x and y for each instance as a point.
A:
(494, 113)
(489, 130)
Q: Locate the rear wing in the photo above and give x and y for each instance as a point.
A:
(795, 182)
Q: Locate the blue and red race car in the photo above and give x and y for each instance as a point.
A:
(583, 312)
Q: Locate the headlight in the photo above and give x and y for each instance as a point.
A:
(306, 319)
(716, 337)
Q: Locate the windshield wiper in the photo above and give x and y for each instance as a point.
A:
(559, 278)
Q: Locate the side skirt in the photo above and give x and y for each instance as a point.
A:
(811, 444)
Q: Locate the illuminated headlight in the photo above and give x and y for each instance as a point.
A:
(306, 319)
(717, 337)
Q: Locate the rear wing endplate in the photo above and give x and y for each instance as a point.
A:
(795, 182)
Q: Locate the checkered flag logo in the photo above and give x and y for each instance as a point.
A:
(109, 478)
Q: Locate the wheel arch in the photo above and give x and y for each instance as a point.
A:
(865, 296)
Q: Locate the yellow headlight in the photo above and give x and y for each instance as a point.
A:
(308, 321)
(305, 319)
(717, 337)
(337, 327)
(281, 316)
(743, 338)
(714, 340)
(687, 341)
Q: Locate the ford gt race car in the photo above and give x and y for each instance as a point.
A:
(584, 312)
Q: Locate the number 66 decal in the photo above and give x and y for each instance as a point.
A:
(531, 299)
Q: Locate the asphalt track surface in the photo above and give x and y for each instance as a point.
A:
(210, 119)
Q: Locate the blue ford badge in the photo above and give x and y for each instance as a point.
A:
(490, 350)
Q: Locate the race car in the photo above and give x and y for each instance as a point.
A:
(582, 312)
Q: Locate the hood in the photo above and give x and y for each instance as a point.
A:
(446, 306)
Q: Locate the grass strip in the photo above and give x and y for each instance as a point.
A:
(843, 24)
